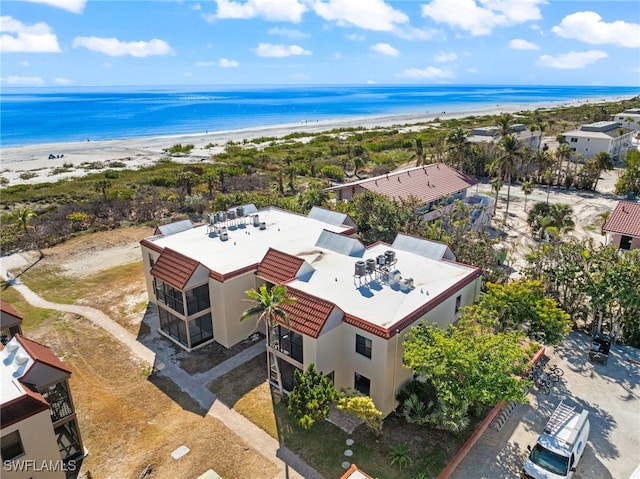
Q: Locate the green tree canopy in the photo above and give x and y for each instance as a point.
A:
(364, 408)
(311, 397)
(522, 304)
(470, 364)
(629, 181)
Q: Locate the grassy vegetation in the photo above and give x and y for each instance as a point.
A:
(245, 390)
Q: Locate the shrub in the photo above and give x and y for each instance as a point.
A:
(400, 455)
(27, 175)
(332, 172)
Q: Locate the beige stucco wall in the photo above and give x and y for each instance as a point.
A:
(146, 252)
(227, 305)
(39, 443)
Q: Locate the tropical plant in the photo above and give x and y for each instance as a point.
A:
(458, 146)
(311, 397)
(549, 220)
(602, 162)
(506, 163)
(269, 309)
(629, 181)
(102, 186)
(419, 151)
(562, 153)
(364, 408)
(400, 455)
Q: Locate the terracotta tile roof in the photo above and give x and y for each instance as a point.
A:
(354, 473)
(174, 268)
(625, 219)
(308, 314)
(7, 308)
(42, 354)
(21, 408)
(278, 267)
(427, 183)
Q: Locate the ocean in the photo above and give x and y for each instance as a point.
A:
(47, 115)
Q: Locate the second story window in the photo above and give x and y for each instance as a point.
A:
(12, 446)
(363, 346)
(458, 302)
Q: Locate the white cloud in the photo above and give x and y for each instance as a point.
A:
(572, 60)
(299, 77)
(428, 73)
(25, 64)
(73, 6)
(337, 56)
(482, 17)
(226, 63)
(355, 37)
(187, 74)
(272, 10)
(366, 14)
(385, 49)
(287, 33)
(63, 81)
(371, 82)
(196, 7)
(204, 64)
(443, 57)
(520, 44)
(17, 37)
(269, 50)
(472, 70)
(588, 27)
(22, 81)
(116, 48)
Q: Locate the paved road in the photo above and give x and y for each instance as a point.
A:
(288, 463)
(610, 393)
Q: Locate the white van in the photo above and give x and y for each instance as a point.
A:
(560, 446)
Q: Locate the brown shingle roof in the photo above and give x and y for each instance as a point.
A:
(308, 314)
(426, 183)
(7, 308)
(174, 268)
(22, 407)
(42, 354)
(625, 219)
(279, 267)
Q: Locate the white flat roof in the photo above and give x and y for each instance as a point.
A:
(14, 362)
(377, 301)
(247, 245)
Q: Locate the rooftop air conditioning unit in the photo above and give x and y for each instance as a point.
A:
(21, 358)
(371, 265)
(360, 268)
(406, 284)
(393, 276)
(11, 346)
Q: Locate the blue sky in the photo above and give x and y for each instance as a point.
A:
(287, 42)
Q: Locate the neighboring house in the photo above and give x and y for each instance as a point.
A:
(608, 136)
(623, 226)
(39, 428)
(354, 305)
(487, 134)
(10, 322)
(628, 118)
(432, 185)
(355, 473)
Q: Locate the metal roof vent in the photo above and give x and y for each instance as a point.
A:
(263, 225)
(256, 220)
(21, 358)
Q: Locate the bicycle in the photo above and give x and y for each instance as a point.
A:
(555, 370)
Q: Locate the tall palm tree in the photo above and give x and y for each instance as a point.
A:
(507, 162)
(23, 217)
(504, 124)
(419, 151)
(603, 162)
(527, 189)
(563, 152)
(496, 185)
(268, 308)
(458, 146)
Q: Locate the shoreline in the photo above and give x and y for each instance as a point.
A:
(35, 159)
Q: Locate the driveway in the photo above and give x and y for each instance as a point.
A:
(610, 393)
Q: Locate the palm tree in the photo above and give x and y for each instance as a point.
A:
(506, 163)
(23, 217)
(268, 308)
(563, 152)
(603, 162)
(496, 185)
(102, 186)
(419, 151)
(458, 146)
(187, 179)
(504, 124)
(527, 189)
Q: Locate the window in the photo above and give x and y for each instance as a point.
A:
(363, 346)
(151, 260)
(198, 299)
(11, 446)
(200, 329)
(574, 140)
(458, 302)
(169, 296)
(173, 326)
(362, 384)
(290, 343)
(625, 242)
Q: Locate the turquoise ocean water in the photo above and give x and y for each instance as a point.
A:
(46, 115)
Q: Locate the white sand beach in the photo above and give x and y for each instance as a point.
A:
(135, 152)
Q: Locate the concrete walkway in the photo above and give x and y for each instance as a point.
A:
(289, 464)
